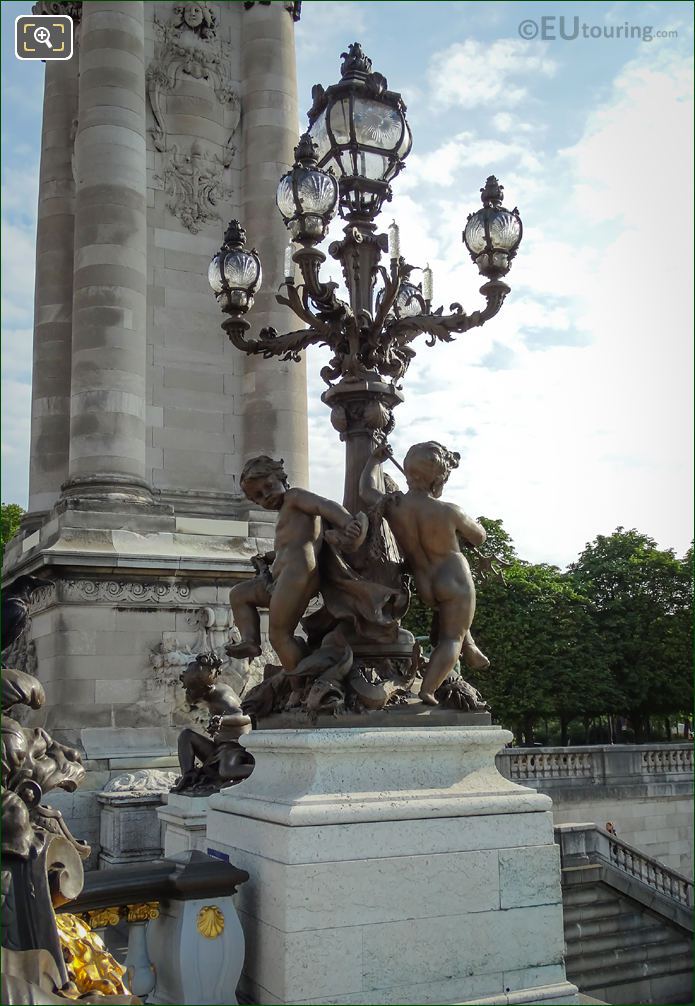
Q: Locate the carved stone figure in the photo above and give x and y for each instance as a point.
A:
(210, 763)
(197, 17)
(427, 531)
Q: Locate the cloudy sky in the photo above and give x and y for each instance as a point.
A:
(572, 408)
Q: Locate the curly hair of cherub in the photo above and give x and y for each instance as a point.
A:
(261, 467)
(204, 669)
(429, 462)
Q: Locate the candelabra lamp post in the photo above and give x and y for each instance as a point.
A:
(357, 143)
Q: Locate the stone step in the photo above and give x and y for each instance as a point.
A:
(581, 928)
(651, 958)
(619, 940)
(609, 909)
(590, 978)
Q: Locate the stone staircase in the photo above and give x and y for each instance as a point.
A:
(628, 920)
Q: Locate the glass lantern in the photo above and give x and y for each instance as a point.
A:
(307, 196)
(361, 133)
(493, 234)
(235, 274)
(409, 301)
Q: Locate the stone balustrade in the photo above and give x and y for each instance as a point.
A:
(652, 873)
(645, 791)
(613, 764)
(628, 920)
(585, 843)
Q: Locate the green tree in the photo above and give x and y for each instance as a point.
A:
(546, 659)
(11, 514)
(643, 614)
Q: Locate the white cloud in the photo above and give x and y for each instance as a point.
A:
(473, 73)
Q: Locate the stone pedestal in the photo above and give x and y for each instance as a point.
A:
(392, 866)
(130, 831)
(183, 820)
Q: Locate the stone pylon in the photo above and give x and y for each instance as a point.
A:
(170, 120)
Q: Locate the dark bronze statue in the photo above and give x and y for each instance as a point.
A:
(289, 583)
(322, 673)
(210, 763)
(15, 606)
(41, 860)
(428, 531)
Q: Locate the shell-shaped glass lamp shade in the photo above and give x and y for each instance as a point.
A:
(235, 274)
(307, 196)
(242, 269)
(493, 233)
(360, 132)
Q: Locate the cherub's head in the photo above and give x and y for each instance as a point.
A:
(264, 481)
(428, 466)
(199, 677)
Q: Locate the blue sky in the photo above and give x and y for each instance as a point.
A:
(572, 408)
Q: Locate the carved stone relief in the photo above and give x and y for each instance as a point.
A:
(195, 183)
(74, 9)
(212, 630)
(140, 783)
(189, 48)
(79, 591)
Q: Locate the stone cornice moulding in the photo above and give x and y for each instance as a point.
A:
(140, 592)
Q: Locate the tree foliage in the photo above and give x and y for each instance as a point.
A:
(643, 612)
(611, 634)
(11, 514)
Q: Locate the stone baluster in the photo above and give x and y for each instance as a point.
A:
(107, 415)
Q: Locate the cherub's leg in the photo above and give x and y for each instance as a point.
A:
(193, 745)
(287, 605)
(245, 599)
(455, 616)
(472, 656)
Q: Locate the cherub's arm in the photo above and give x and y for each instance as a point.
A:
(318, 506)
(369, 490)
(469, 529)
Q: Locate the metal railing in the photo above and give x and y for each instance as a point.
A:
(134, 894)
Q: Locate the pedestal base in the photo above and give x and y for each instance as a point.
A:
(392, 866)
(183, 823)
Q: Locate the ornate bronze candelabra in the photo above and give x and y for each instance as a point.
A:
(357, 142)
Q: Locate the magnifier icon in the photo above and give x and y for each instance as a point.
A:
(43, 35)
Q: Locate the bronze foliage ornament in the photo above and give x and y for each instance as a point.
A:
(42, 868)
